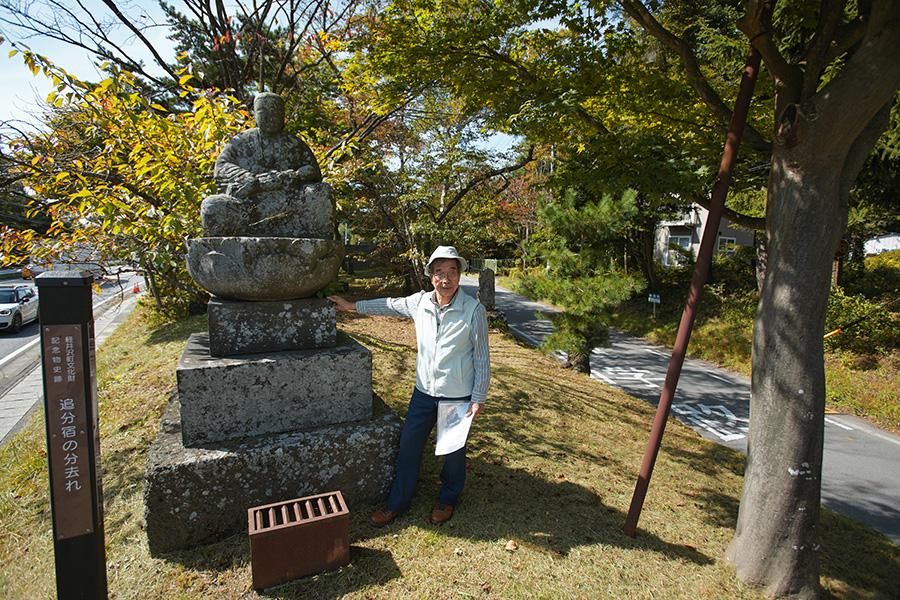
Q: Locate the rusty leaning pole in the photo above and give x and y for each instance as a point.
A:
(701, 270)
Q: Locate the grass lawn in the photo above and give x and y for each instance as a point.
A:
(553, 463)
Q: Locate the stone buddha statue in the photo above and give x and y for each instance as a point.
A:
(269, 231)
(269, 183)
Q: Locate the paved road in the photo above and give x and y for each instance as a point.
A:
(19, 351)
(21, 384)
(861, 466)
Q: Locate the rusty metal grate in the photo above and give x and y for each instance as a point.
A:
(298, 537)
(273, 516)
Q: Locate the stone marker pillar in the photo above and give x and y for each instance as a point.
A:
(486, 295)
(486, 289)
(73, 433)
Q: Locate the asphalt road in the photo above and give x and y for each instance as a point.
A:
(19, 353)
(861, 465)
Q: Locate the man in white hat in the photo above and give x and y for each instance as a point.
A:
(452, 364)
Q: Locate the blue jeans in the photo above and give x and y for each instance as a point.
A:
(420, 419)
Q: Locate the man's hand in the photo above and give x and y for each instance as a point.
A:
(475, 409)
(341, 304)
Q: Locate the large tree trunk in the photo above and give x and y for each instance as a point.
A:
(819, 148)
(776, 543)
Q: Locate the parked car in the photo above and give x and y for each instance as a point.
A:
(18, 306)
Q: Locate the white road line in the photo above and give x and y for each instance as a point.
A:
(24, 348)
(36, 341)
(603, 378)
(522, 335)
(833, 422)
(883, 437)
(714, 376)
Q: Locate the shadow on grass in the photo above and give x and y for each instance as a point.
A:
(500, 503)
(179, 330)
(506, 503)
(856, 561)
(368, 567)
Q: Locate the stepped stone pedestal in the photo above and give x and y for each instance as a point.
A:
(257, 394)
(252, 429)
(237, 327)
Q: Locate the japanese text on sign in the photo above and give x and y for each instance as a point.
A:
(67, 438)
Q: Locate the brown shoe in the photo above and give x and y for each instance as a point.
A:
(440, 514)
(382, 517)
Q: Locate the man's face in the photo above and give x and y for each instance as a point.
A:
(269, 117)
(445, 275)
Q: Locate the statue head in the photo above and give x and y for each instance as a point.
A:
(268, 111)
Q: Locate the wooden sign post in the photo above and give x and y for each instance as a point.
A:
(73, 437)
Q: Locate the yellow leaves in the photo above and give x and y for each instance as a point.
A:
(140, 167)
(126, 168)
(104, 85)
(32, 65)
(54, 100)
(185, 78)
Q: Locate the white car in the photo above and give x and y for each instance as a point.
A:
(18, 306)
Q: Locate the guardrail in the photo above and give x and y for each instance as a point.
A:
(497, 265)
(10, 274)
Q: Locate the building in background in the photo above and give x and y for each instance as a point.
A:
(882, 243)
(685, 231)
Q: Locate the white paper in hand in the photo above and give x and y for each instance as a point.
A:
(452, 427)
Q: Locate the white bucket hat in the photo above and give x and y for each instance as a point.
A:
(446, 252)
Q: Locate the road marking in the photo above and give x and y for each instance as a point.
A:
(603, 378)
(885, 438)
(36, 341)
(24, 348)
(524, 336)
(714, 376)
(833, 422)
(629, 376)
(715, 419)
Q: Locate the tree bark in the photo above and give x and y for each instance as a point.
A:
(820, 145)
(776, 543)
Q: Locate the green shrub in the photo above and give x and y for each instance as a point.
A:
(879, 276)
(866, 326)
(587, 302)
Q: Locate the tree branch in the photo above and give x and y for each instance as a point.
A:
(739, 219)
(637, 11)
(529, 79)
(478, 180)
(140, 35)
(788, 78)
(816, 53)
(846, 36)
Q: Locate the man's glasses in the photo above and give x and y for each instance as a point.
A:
(447, 276)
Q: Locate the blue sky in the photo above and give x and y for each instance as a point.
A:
(21, 90)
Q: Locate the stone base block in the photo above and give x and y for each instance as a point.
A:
(194, 496)
(237, 327)
(256, 394)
